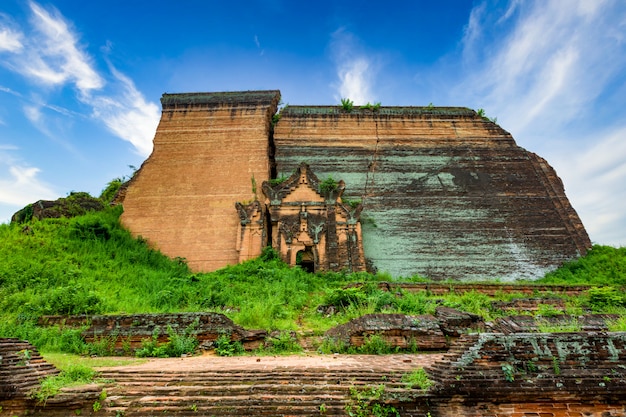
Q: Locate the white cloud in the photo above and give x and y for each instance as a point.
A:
(549, 73)
(594, 179)
(355, 80)
(550, 63)
(19, 184)
(57, 57)
(10, 41)
(51, 55)
(128, 115)
(355, 70)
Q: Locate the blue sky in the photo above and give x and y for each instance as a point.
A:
(80, 81)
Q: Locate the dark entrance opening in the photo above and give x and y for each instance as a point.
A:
(306, 260)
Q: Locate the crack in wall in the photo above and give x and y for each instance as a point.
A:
(371, 168)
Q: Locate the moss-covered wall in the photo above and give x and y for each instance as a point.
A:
(446, 194)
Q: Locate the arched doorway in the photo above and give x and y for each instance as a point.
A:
(306, 259)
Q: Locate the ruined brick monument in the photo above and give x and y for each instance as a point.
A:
(435, 191)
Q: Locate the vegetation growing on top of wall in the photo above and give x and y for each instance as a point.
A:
(373, 107)
(90, 265)
(347, 105)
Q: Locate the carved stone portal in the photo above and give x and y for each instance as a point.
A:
(306, 222)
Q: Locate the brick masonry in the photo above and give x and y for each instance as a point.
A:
(488, 374)
(209, 151)
(446, 194)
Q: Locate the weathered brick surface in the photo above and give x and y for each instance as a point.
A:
(535, 367)
(447, 194)
(21, 369)
(555, 375)
(397, 330)
(487, 289)
(208, 149)
(128, 331)
(529, 324)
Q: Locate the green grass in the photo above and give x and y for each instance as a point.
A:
(417, 379)
(91, 265)
(73, 375)
(65, 361)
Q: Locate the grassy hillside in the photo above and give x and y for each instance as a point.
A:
(90, 264)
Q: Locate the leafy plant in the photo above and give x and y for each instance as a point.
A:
(151, 347)
(347, 104)
(375, 344)
(111, 190)
(102, 346)
(556, 365)
(330, 345)
(373, 107)
(283, 343)
(601, 298)
(548, 310)
(276, 181)
(481, 113)
(417, 378)
(367, 402)
(328, 185)
(178, 343)
(617, 325)
(572, 325)
(509, 372)
(224, 346)
(352, 203)
(74, 375)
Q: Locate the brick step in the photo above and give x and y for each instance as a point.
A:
(151, 406)
(257, 389)
(221, 375)
(251, 381)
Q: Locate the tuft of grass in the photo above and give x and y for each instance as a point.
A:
(347, 105)
(64, 361)
(417, 378)
(71, 376)
(569, 326)
(617, 325)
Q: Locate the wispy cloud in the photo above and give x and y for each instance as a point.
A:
(50, 55)
(549, 72)
(128, 114)
(10, 40)
(19, 182)
(553, 60)
(258, 45)
(356, 70)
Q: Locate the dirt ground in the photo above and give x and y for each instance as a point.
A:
(208, 362)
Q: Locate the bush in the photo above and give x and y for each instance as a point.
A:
(417, 379)
(347, 104)
(375, 344)
(74, 375)
(328, 185)
(601, 298)
(345, 297)
(224, 346)
(285, 342)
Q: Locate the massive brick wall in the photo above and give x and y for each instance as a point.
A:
(446, 194)
(208, 149)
